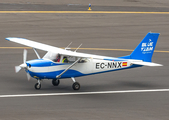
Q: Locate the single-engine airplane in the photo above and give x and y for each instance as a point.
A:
(60, 63)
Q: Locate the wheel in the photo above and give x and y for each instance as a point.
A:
(55, 82)
(76, 86)
(37, 86)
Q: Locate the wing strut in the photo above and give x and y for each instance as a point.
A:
(58, 76)
(37, 53)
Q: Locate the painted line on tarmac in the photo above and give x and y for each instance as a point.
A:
(89, 12)
(83, 93)
(159, 51)
(15, 48)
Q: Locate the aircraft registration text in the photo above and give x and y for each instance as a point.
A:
(110, 65)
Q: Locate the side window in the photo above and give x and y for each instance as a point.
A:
(73, 59)
(83, 60)
(57, 58)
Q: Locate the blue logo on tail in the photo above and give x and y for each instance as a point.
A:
(147, 47)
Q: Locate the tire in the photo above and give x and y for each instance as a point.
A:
(55, 82)
(37, 86)
(76, 86)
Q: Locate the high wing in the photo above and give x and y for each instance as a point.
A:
(53, 49)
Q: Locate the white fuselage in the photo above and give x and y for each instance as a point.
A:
(47, 69)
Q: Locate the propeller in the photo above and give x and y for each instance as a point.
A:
(18, 68)
(23, 65)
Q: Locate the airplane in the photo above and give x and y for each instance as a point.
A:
(60, 63)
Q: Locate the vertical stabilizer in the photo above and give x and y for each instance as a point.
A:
(144, 51)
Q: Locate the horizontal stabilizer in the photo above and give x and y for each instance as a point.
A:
(145, 63)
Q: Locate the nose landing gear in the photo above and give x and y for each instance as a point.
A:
(38, 85)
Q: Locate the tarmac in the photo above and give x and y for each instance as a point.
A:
(133, 94)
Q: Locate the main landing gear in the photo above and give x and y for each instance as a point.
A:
(75, 86)
(56, 82)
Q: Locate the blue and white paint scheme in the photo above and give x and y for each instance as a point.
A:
(81, 64)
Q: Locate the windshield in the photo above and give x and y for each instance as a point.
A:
(52, 56)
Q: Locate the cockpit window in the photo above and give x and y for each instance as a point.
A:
(73, 59)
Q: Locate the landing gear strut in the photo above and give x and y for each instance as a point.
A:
(38, 85)
(55, 82)
(76, 85)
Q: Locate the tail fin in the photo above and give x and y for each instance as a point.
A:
(144, 51)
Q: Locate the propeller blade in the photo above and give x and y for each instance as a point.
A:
(24, 55)
(17, 69)
(28, 76)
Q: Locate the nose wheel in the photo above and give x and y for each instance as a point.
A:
(38, 85)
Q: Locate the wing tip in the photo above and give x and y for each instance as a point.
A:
(14, 38)
(8, 38)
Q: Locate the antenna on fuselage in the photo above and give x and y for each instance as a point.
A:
(78, 47)
(68, 46)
